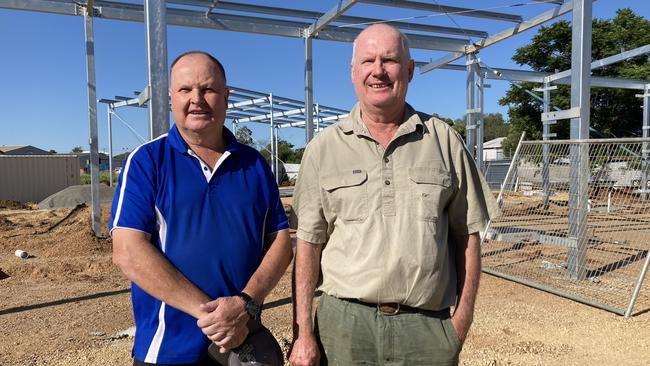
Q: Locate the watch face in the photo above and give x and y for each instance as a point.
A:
(252, 308)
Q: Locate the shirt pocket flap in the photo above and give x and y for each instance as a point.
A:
(430, 176)
(340, 180)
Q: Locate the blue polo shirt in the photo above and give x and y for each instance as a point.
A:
(209, 224)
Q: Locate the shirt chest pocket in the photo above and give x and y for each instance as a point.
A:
(430, 190)
(347, 194)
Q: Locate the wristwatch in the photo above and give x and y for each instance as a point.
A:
(252, 307)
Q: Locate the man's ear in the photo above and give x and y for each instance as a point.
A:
(411, 69)
(227, 95)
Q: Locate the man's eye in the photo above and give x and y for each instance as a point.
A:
(184, 90)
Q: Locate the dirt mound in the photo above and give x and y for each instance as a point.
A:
(75, 195)
(13, 205)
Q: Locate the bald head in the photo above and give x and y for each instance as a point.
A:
(385, 30)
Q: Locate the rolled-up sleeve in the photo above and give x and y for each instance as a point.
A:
(473, 204)
(307, 198)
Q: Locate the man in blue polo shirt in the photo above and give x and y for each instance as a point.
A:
(197, 226)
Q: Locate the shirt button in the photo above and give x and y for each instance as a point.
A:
(386, 160)
(205, 168)
(387, 182)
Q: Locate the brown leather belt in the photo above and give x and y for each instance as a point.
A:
(393, 308)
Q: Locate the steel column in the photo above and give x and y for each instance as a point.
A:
(479, 120)
(580, 93)
(92, 120)
(546, 135)
(309, 92)
(156, 33)
(272, 122)
(470, 133)
(110, 144)
(643, 182)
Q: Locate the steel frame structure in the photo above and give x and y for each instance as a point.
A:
(244, 106)
(239, 17)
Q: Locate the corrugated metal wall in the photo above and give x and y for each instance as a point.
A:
(31, 178)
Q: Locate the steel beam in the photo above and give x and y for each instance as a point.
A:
(229, 22)
(524, 26)
(329, 17)
(350, 20)
(579, 154)
(156, 33)
(92, 121)
(606, 61)
(538, 77)
(443, 9)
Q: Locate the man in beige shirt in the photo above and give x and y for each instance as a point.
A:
(389, 206)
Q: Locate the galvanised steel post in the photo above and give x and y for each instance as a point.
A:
(110, 144)
(92, 119)
(470, 133)
(580, 93)
(156, 34)
(643, 184)
(479, 120)
(273, 152)
(309, 91)
(546, 132)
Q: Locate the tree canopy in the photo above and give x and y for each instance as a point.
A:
(245, 136)
(614, 112)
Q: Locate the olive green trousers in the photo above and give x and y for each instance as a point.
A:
(350, 333)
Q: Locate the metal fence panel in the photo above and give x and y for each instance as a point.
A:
(531, 242)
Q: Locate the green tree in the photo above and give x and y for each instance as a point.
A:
(245, 136)
(77, 149)
(53, 151)
(494, 126)
(286, 152)
(614, 112)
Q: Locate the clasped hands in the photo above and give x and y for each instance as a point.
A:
(224, 322)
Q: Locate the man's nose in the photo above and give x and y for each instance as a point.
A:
(378, 68)
(196, 96)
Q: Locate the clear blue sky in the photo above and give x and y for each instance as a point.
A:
(43, 97)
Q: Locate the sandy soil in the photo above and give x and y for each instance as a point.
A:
(68, 305)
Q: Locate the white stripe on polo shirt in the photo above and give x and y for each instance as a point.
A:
(125, 175)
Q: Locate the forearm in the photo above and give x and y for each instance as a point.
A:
(143, 264)
(468, 267)
(306, 272)
(273, 266)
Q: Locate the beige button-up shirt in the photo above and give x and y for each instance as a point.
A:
(387, 217)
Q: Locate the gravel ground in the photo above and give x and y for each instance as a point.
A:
(68, 305)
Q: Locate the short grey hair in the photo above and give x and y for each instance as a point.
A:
(404, 42)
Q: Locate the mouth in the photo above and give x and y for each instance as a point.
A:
(198, 113)
(379, 85)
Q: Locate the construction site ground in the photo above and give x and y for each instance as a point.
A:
(67, 304)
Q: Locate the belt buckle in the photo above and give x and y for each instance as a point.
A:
(394, 312)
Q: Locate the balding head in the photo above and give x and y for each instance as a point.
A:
(384, 28)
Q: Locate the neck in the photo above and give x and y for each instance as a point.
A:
(382, 126)
(205, 140)
(382, 117)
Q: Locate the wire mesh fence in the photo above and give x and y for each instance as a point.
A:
(576, 222)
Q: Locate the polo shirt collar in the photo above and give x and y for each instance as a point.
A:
(353, 123)
(176, 141)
